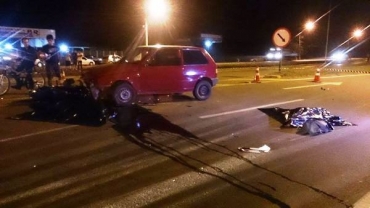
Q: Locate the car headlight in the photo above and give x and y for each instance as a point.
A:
(339, 57)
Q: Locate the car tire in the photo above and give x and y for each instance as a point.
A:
(202, 90)
(124, 94)
(91, 63)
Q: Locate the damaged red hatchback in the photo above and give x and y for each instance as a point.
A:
(153, 70)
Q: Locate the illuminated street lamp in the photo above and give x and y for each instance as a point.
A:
(309, 26)
(357, 33)
(156, 10)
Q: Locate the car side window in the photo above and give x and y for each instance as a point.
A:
(192, 57)
(166, 57)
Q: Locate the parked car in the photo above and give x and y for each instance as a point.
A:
(87, 61)
(154, 70)
(95, 59)
(111, 59)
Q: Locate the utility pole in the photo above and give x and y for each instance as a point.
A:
(327, 33)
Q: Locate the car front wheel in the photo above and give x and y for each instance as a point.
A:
(123, 94)
(202, 90)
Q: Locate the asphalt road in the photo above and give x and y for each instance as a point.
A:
(188, 156)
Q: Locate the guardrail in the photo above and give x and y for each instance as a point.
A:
(276, 63)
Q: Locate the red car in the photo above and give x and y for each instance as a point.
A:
(154, 70)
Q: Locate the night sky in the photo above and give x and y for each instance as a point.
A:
(246, 25)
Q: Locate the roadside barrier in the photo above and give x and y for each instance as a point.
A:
(347, 70)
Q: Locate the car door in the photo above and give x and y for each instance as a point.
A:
(163, 73)
(195, 67)
(84, 61)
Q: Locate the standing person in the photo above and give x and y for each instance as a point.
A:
(28, 54)
(79, 60)
(74, 59)
(51, 59)
(68, 61)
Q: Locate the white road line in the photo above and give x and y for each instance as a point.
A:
(10, 99)
(36, 133)
(314, 85)
(364, 202)
(295, 79)
(249, 109)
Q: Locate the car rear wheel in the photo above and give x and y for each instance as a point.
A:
(91, 63)
(202, 90)
(124, 94)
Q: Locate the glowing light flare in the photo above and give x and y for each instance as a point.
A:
(208, 43)
(64, 48)
(157, 10)
(357, 33)
(270, 56)
(339, 56)
(278, 56)
(190, 73)
(8, 46)
(7, 58)
(310, 25)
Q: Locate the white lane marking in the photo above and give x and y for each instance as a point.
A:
(10, 99)
(36, 133)
(363, 202)
(314, 85)
(249, 109)
(295, 79)
(229, 85)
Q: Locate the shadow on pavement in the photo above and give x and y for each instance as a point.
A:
(137, 124)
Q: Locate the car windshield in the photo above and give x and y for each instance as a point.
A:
(137, 55)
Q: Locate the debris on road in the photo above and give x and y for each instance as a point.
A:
(312, 121)
(322, 88)
(298, 116)
(66, 104)
(262, 149)
(315, 127)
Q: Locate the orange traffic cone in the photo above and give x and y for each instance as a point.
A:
(317, 75)
(257, 77)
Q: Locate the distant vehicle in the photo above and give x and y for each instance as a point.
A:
(111, 59)
(151, 70)
(277, 54)
(87, 61)
(339, 57)
(95, 59)
(274, 54)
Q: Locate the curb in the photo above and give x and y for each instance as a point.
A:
(345, 70)
(273, 76)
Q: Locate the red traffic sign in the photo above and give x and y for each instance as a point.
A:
(281, 37)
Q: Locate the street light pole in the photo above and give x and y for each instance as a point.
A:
(309, 26)
(299, 47)
(146, 32)
(327, 33)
